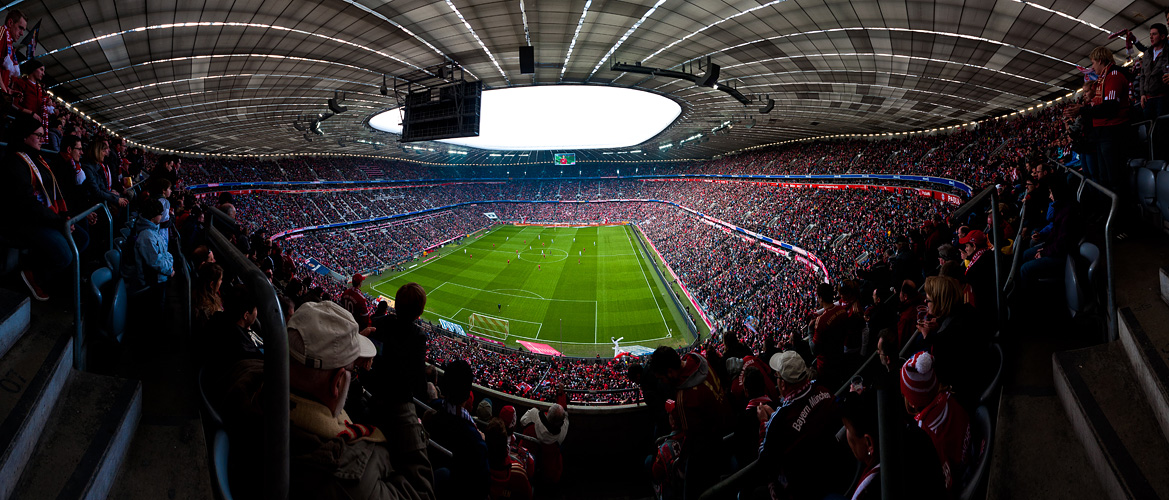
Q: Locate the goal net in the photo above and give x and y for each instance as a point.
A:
(488, 326)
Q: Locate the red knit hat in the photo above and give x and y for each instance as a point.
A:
(918, 383)
(507, 415)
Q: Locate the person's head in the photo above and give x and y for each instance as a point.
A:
(151, 210)
(825, 294)
(409, 302)
(908, 291)
(1157, 34)
(858, 412)
(33, 69)
(753, 383)
(942, 295)
(201, 254)
(666, 363)
(98, 149)
(16, 23)
(887, 346)
(556, 416)
(791, 370)
(323, 347)
(210, 277)
(159, 187)
(495, 435)
(26, 130)
(357, 280)
(71, 148)
(919, 385)
(239, 305)
(972, 243)
(383, 307)
(456, 382)
(508, 415)
(947, 253)
(1101, 59)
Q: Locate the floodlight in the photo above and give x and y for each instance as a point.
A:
(384, 90)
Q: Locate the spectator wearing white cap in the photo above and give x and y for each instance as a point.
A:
(332, 456)
(799, 444)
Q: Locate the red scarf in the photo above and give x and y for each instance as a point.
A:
(49, 196)
(974, 258)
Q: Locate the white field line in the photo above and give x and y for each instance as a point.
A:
(653, 293)
(518, 296)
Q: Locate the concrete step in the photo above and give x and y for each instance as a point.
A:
(1147, 350)
(85, 439)
(1036, 453)
(1114, 421)
(14, 318)
(33, 374)
(168, 459)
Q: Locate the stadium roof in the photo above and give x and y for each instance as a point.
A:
(217, 76)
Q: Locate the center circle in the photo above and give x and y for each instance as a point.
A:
(554, 255)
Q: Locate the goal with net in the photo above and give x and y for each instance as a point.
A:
(488, 326)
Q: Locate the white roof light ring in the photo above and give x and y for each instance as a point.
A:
(404, 29)
(308, 110)
(139, 102)
(376, 105)
(625, 37)
(231, 25)
(564, 117)
(886, 97)
(572, 44)
(186, 128)
(216, 77)
(217, 56)
(895, 56)
(1063, 15)
(907, 75)
(825, 111)
(477, 39)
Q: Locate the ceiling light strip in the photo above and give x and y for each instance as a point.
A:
(218, 56)
(216, 77)
(579, 25)
(477, 39)
(1061, 14)
(896, 56)
(140, 102)
(404, 29)
(716, 23)
(625, 37)
(227, 108)
(229, 25)
(376, 105)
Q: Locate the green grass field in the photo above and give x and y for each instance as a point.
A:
(574, 297)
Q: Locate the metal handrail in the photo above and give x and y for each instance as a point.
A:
(78, 325)
(1108, 231)
(1016, 254)
(276, 390)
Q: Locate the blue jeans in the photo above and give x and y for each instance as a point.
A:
(49, 251)
(1044, 267)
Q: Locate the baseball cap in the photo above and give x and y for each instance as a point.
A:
(790, 366)
(977, 237)
(357, 279)
(323, 335)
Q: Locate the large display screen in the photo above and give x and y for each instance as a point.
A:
(564, 158)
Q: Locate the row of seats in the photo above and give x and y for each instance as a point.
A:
(1151, 185)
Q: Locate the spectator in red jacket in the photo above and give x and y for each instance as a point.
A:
(938, 413)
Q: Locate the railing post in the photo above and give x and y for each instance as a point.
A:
(78, 325)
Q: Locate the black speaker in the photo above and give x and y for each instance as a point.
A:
(711, 76)
(767, 107)
(527, 60)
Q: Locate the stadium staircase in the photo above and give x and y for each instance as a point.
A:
(65, 433)
(1084, 419)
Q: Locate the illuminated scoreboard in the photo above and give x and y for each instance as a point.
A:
(564, 158)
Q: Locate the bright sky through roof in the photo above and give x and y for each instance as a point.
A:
(560, 117)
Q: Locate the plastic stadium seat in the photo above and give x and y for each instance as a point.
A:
(1134, 167)
(992, 387)
(98, 282)
(1162, 201)
(212, 414)
(113, 258)
(125, 232)
(982, 438)
(1074, 284)
(1145, 186)
(220, 447)
(115, 324)
(1160, 138)
(1096, 268)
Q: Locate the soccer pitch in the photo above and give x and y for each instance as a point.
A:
(570, 287)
